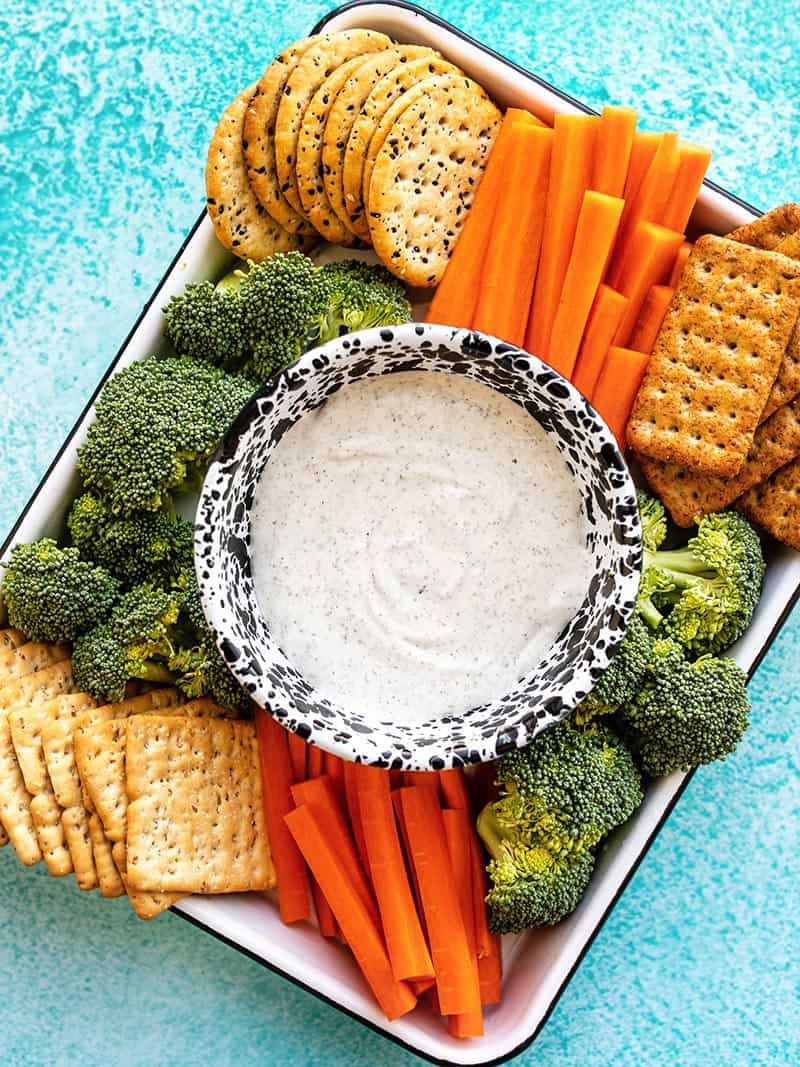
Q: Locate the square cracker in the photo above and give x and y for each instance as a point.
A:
(108, 877)
(716, 357)
(26, 725)
(75, 823)
(195, 811)
(775, 504)
(787, 381)
(770, 229)
(688, 496)
(16, 662)
(10, 639)
(146, 905)
(46, 817)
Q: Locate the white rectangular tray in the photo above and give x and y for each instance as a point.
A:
(538, 964)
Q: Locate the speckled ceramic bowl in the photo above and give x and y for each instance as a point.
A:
(576, 658)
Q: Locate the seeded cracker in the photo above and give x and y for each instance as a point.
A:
(769, 230)
(787, 383)
(46, 817)
(258, 139)
(775, 504)
(108, 877)
(344, 112)
(386, 91)
(242, 225)
(425, 177)
(195, 811)
(313, 67)
(716, 357)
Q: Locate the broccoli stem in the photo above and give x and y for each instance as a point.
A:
(490, 832)
(155, 672)
(677, 561)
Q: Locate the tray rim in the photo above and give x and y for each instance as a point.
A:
(436, 20)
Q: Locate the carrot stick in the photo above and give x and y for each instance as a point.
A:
(405, 942)
(490, 958)
(490, 973)
(354, 811)
(297, 756)
(276, 778)
(422, 985)
(334, 768)
(651, 316)
(680, 262)
(315, 764)
(456, 295)
(396, 779)
(604, 319)
(617, 387)
(594, 240)
(692, 167)
(512, 257)
(362, 934)
(325, 919)
(430, 779)
(645, 145)
(648, 261)
(320, 794)
(456, 980)
(570, 176)
(397, 803)
(453, 783)
(458, 831)
(614, 143)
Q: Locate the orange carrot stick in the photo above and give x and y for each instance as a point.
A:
(320, 794)
(604, 319)
(594, 240)
(354, 811)
(276, 778)
(458, 830)
(426, 778)
(570, 176)
(680, 262)
(490, 959)
(645, 145)
(315, 764)
(651, 316)
(456, 295)
(453, 783)
(617, 387)
(648, 261)
(490, 973)
(325, 920)
(512, 257)
(456, 981)
(297, 756)
(614, 143)
(694, 161)
(363, 936)
(405, 942)
(334, 768)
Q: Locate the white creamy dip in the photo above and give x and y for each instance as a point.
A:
(417, 545)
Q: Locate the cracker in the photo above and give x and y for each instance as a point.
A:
(345, 110)
(241, 223)
(775, 504)
(195, 811)
(387, 90)
(315, 65)
(31, 656)
(688, 496)
(716, 357)
(770, 229)
(146, 905)
(258, 138)
(787, 382)
(76, 831)
(26, 734)
(108, 877)
(46, 818)
(11, 638)
(425, 177)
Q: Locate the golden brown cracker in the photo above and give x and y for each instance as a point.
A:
(770, 229)
(108, 877)
(145, 905)
(787, 381)
(75, 822)
(716, 357)
(425, 177)
(29, 657)
(11, 639)
(195, 810)
(46, 817)
(775, 504)
(26, 734)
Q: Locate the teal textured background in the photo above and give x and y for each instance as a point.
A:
(105, 114)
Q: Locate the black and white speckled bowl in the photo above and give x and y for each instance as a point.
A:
(579, 654)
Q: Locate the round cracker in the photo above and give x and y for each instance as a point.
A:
(425, 176)
(313, 67)
(388, 89)
(309, 168)
(258, 138)
(240, 222)
(344, 112)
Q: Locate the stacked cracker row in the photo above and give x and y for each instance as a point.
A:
(151, 796)
(355, 139)
(717, 419)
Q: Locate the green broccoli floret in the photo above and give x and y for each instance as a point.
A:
(157, 423)
(206, 323)
(530, 886)
(52, 594)
(654, 522)
(139, 546)
(359, 296)
(135, 642)
(686, 713)
(704, 594)
(623, 677)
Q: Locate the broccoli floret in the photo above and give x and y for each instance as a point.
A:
(359, 296)
(654, 522)
(135, 642)
(140, 546)
(623, 677)
(530, 886)
(157, 423)
(686, 713)
(206, 323)
(52, 594)
(704, 594)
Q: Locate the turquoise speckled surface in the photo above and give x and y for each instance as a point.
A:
(104, 118)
